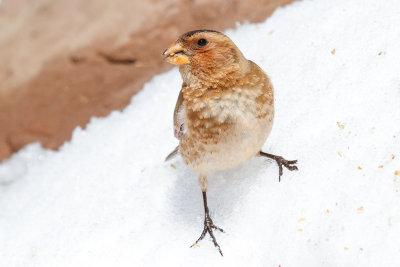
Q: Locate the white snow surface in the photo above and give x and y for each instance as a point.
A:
(107, 198)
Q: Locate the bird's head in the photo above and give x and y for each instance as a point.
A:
(205, 54)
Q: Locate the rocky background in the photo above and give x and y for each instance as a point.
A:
(64, 61)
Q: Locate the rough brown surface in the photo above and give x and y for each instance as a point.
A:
(66, 61)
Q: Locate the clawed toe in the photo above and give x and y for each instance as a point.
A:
(288, 164)
(217, 228)
(208, 228)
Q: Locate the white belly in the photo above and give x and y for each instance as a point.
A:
(230, 149)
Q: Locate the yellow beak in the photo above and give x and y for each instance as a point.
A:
(175, 55)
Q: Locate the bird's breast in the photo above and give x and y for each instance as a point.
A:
(224, 129)
(223, 110)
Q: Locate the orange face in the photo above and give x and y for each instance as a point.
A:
(199, 48)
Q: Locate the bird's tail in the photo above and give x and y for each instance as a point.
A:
(172, 154)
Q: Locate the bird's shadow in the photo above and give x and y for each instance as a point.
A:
(226, 190)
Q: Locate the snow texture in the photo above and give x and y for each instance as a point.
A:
(107, 198)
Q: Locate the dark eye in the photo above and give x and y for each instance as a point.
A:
(202, 42)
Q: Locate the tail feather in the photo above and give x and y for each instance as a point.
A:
(172, 154)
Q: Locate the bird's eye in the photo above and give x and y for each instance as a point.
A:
(202, 42)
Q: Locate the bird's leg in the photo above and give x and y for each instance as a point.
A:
(289, 164)
(208, 223)
(208, 226)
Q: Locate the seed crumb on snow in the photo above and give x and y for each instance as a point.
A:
(397, 172)
(361, 208)
(333, 51)
(380, 166)
(341, 126)
(359, 167)
(173, 166)
(340, 154)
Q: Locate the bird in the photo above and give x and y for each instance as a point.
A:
(224, 112)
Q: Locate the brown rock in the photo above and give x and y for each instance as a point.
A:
(69, 60)
(5, 150)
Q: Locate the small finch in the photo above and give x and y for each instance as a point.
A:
(224, 112)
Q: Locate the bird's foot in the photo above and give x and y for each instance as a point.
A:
(289, 164)
(208, 228)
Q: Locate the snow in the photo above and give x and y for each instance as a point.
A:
(107, 198)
